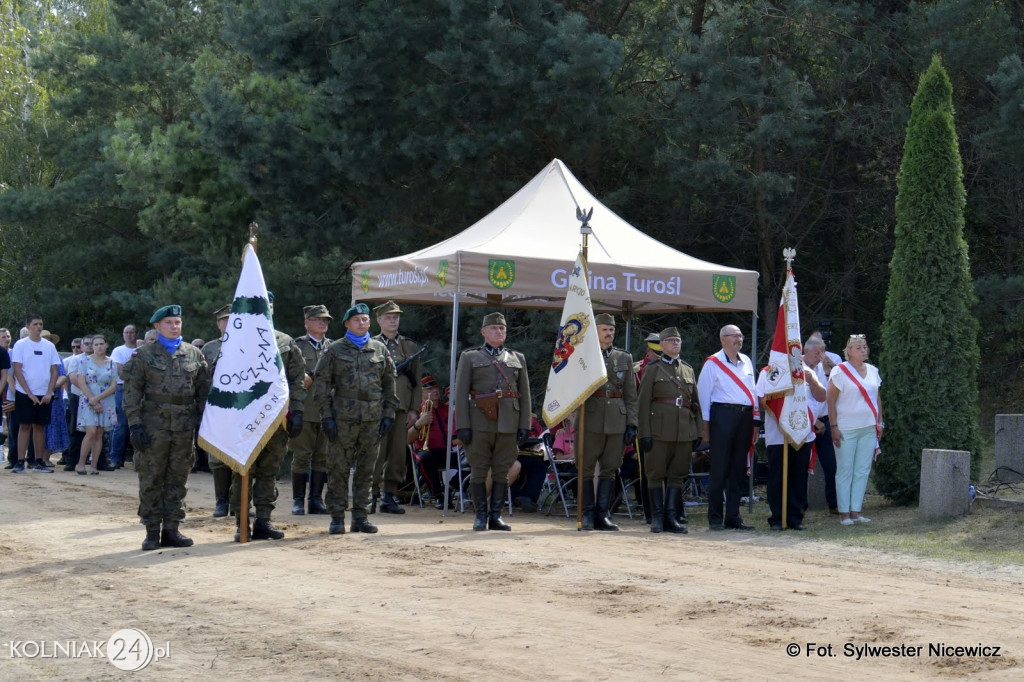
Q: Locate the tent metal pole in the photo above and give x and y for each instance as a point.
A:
(753, 355)
(451, 416)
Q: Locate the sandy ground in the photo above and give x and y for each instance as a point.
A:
(428, 599)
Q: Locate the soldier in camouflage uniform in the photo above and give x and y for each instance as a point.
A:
(310, 447)
(263, 472)
(165, 389)
(359, 378)
(610, 419)
(491, 379)
(221, 471)
(393, 456)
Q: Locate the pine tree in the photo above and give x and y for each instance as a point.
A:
(929, 360)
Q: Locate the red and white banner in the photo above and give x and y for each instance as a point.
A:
(785, 393)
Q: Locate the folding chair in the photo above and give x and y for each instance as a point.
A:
(696, 489)
(563, 474)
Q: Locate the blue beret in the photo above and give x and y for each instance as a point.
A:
(166, 311)
(357, 309)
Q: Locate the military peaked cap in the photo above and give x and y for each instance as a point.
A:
(605, 318)
(385, 308)
(222, 312)
(311, 311)
(494, 318)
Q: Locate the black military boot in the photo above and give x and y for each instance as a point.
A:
(221, 490)
(152, 540)
(602, 514)
(673, 498)
(170, 537)
(389, 505)
(588, 505)
(263, 529)
(657, 496)
(499, 495)
(317, 480)
(478, 491)
(238, 529)
(337, 525)
(362, 525)
(299, 494)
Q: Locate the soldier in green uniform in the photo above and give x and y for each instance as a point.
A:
(359, 379)
(492, 416)
(221, 471)
(263, 472)
(610, 419)
(393, 457)
(309, 448)
(670, 422)
(165, 389)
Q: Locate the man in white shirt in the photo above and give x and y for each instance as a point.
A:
(121, 355)
(34, 362)
(731, 417)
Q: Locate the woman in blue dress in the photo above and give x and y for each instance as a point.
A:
(96, 376)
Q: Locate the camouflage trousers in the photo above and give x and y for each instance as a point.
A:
(163, 470)
(310, 448)
(392, 457)
(356, 448)
(262, 477)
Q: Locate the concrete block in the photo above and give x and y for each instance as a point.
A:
(1010, 447)
(945, 484)
(816, 490)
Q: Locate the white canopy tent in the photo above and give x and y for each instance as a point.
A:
(519, 255)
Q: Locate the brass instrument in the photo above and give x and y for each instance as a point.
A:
(425, 407)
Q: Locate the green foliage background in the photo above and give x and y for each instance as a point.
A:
(138, 138)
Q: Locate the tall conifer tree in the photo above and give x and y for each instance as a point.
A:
(929, 359)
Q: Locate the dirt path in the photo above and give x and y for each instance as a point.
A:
(427, 598)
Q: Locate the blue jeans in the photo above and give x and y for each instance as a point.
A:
(120, 435)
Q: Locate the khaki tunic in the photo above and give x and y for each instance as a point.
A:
(673, 428)
(393, 453)
(494, 445)
(606, 418)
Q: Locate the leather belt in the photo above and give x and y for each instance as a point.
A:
(608, 394)
(733, 406)
(678, 402)
(496, 394)
(168, 399)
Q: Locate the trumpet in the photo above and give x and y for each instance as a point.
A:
(425, 407)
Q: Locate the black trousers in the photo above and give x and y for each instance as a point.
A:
(731, 431)
(796, 484)
(827, 459)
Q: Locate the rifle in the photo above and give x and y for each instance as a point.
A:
(403, 366)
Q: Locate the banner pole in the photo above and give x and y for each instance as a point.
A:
(785, 479)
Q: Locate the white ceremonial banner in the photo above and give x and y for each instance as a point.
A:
(785, 392)
(577, 365)
(249, 392)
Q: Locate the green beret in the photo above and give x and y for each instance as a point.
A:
(605, 318)
(222, 312)
(311, 311)
(494, 318)
(357, 309)
(669, 333)
(270, 295)
(166, 311)
(385, 308)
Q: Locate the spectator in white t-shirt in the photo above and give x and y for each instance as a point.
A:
(34, 362)
(121, 355)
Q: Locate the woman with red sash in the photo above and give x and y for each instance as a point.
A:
(855, 413)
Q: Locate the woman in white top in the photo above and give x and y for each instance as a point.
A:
(856, 426)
